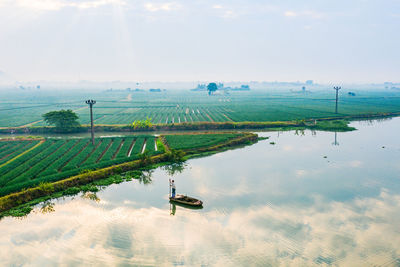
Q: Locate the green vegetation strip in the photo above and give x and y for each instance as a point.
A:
(192, 141)
(46, 189)
(23, 153)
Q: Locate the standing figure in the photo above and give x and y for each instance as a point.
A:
(173, 188)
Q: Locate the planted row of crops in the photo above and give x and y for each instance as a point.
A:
(9, 150)
(159, 115)
(189, 141)
(177, 107)
(55, 159)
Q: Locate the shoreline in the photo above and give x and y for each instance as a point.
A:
(321, 124)
(20, 203)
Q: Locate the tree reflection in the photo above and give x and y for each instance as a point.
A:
(299, 132)
(91, 196)
(47, 207)
(145, 178)
(175, 168)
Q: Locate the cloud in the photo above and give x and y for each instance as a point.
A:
(154, 7)
(330, 232)
(308, 14)
(355, 163)
(224, 12)
(301, 173)
(228, 14)
(290, 14)
(49, 5)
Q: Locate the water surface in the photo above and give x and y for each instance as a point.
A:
(309, 199)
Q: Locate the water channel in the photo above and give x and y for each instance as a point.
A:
(312, 198)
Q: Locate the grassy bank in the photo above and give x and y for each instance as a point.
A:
(20, 203)
(208, 126)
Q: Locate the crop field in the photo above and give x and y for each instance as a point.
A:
(121, 108)
(189, 141)
(27, 163)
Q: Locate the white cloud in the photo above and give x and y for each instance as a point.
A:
(290, 14)
(228, 14)
(308, 13)
(217, 6)
(355, 163)
(154, 7)
(48, 5)
(301, 173)
(268, 234)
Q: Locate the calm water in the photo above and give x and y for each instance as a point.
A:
(307, 200)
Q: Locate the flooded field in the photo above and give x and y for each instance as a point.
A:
(312, 198)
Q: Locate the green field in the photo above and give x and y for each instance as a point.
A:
(26, 163)
(54, 159)
(190, 141)
(122, 108)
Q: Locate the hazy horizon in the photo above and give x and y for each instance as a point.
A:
(107, 40)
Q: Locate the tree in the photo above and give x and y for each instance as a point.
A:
(175, 155)
(212, 87)
(142, 124)
(63, 120)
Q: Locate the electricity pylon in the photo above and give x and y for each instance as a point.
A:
(337, 88)
(91, 102)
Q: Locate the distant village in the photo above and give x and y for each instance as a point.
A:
(221, 87)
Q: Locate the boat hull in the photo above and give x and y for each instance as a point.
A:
(190, 201)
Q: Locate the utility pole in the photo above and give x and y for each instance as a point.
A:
(91, 102)
(336, 143)
(337, 88)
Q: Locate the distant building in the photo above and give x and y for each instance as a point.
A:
(155, 90)
(243, 87)
(351, 94)
(200, 87)
(222, 87)
(309, 82)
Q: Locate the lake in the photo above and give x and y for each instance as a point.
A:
(312, 198)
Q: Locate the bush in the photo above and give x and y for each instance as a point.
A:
(46, 187)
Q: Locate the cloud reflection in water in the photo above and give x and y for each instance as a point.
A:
(361, 232)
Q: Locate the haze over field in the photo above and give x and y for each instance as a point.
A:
(105, 40)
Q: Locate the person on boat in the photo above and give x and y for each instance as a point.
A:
(173, 188)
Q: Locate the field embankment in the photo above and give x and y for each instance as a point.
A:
(316, 124)
(43, 186)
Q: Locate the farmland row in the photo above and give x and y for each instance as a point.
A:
(190, 141)
(60, 158)
(174, 107)
(166, 115)
(8, 150)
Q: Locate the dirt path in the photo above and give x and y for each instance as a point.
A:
(105, 151)
(226, 117)
(118, 149)
(208, 116)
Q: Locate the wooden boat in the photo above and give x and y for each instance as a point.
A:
(190, 201)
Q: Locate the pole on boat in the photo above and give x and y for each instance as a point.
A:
(170, 187)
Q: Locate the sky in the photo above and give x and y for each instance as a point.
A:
(200, 40)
